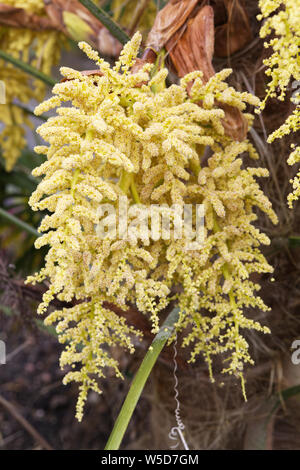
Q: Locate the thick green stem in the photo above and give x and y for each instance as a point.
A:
(28, 68)
(22, 225)
(140, 379)
(106, 20)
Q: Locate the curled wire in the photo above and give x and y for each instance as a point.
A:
(176, 432)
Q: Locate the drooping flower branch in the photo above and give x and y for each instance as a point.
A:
(282, 19)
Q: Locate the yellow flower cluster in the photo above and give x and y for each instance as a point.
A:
(39, 48)
(127, 134)
(282, 18)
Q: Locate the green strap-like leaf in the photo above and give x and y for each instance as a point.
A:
(28, 68)
(106, 20)
(19, 223)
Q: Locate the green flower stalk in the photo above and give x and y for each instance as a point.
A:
(125, 133)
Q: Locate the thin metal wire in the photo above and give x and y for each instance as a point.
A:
(176, 432)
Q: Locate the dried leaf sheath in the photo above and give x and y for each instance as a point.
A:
(192, 48)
